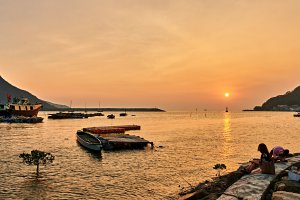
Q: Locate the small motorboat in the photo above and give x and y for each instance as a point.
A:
(297, 115)
(123, 114)
(89, 141)
(226, 109)
(111, 116)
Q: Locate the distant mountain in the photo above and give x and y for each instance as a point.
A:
(290, 101)
(7, 88)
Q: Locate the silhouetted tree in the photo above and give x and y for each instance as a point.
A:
(37, 158)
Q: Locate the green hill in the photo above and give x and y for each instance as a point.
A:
(290, 101)
(7, 88)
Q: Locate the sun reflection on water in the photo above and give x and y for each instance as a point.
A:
(227, 136)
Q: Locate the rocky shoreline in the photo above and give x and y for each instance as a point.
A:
(279, 187)
(209, 190)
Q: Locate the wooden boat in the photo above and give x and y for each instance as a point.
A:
(21, 108)
(297, 115)
(226, 109)
(67, 115)
(113, 137)
(98, 113)
(93, 114)
(128, 127)
(124, 114)
(89, 141)
(111, 116)
(104, 129)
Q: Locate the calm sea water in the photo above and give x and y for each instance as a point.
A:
(192, 143)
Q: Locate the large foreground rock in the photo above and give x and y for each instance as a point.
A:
(288, 186)
(282, 195)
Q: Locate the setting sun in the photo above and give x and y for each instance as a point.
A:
(226, 94)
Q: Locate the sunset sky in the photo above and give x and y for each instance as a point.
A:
(171, 54)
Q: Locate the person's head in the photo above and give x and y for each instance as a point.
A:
(263, 148)
(285, 153)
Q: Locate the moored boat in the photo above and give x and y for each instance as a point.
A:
(21, 108)
(297, 115)
(111, 116)
(114, 137)
(123, 114)
(89, 141)
(67, 115)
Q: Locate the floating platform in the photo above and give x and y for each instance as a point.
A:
(21, 119)
(104, 130)
(111, 129)
(123, 141)
(113, 137)
(128, 127)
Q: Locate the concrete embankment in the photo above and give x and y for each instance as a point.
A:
(237, 185)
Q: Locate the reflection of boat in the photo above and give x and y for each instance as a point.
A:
(297, 115)
(21, 119)
(89, 141)
(111, 116)
(21, 108)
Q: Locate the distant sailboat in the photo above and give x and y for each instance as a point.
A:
(226, 109)
(99, 109)
(123, 114)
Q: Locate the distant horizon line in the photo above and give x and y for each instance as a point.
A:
(141, 109)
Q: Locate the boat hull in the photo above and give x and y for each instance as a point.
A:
(24, 110)
(65, 115)
(88, 141)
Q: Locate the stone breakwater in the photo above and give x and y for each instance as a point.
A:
(236, 185)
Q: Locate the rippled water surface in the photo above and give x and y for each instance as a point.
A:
(191, 144)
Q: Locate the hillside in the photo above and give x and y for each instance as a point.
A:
(7, 88)
(290, 101)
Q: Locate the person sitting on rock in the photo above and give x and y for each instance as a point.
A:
(279, 153)
(264, 158)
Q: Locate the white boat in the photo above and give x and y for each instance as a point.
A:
(89, 141)
(297, 115)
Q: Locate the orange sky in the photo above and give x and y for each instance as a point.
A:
(175, 55)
